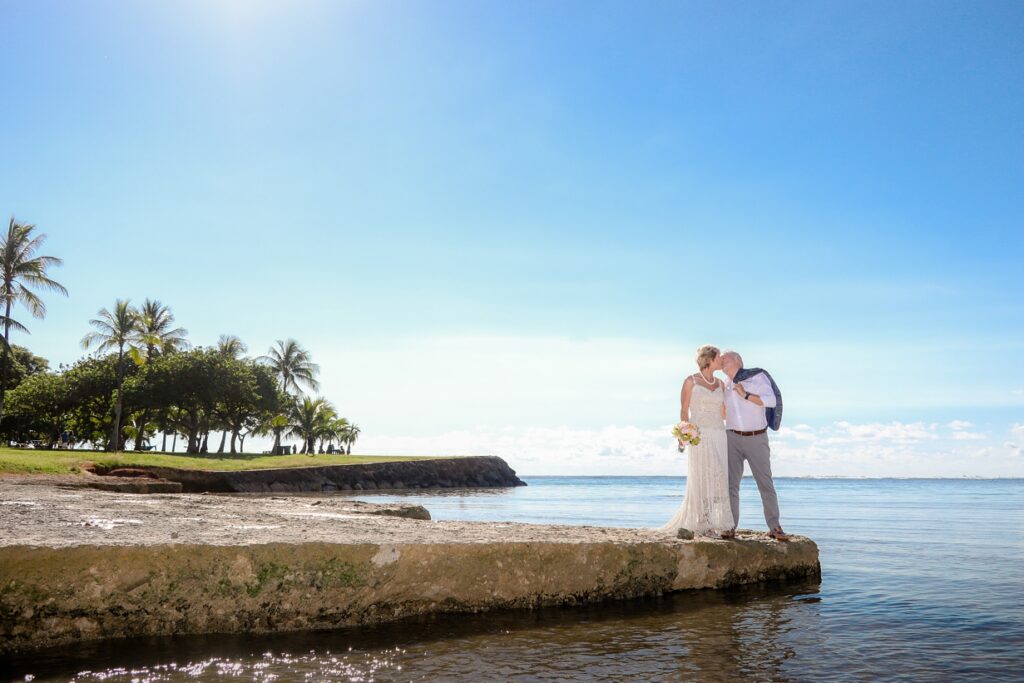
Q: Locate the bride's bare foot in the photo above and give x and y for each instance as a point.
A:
(728, 534)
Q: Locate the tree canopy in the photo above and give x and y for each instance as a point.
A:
(162, 388)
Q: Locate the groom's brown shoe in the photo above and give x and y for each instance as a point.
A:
(778, 534)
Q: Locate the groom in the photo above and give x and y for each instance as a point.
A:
(752, 404)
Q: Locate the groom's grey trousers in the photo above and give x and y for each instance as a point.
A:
(755, 450)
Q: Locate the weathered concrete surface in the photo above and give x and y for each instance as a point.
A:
(477, 471)
(77, 565)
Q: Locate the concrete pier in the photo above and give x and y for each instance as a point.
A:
(78, 565)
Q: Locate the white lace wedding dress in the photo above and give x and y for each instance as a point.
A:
(706, 504)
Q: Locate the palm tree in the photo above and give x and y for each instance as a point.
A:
(324, 426)
(336, 432)
(156, 334)
(309, 418)
(349, 437)
(22, 269)
(169, 423)
(114, 330)
(231, 346)
(275, 425)
(293, 366)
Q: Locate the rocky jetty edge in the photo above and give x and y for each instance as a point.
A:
(456, 472)
(79, 565)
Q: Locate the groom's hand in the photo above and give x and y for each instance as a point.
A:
(740, 391)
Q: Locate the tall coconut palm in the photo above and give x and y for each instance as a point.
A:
(114, 330)
(231, 346)
(22, 271)
(292, 365)
(155, 334)
(308, 419)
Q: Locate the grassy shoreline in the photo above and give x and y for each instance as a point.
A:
(18, 461)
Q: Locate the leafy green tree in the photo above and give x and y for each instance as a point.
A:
(231, 346)
(115, 330)
(247, 402)
(154, 334)
(182, 384)
(202, 389)
(38, 408)
(22, 272)
(292, 365)
(23, 364)
(169, 421)
(91, 385)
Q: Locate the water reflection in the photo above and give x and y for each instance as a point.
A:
(746, 633)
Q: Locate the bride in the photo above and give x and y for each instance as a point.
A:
(705, 507)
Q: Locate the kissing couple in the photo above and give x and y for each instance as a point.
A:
(733, 417)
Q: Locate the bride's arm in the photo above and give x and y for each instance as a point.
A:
(684, 399)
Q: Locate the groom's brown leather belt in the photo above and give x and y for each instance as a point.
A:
(759, 431)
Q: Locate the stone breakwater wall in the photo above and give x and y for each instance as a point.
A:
(59, 595)
(466, 472)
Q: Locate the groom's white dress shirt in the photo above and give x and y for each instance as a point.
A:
(742, 415)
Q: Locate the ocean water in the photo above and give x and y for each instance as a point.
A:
(922, 580)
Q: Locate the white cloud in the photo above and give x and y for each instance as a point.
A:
(800, 432)
(1018, 429)
(968, 436)
(560, 450)
(1014, 448)
(960, 432)
(838, 449)
(894, 431)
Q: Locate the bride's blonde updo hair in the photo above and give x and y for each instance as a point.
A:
(706, 355)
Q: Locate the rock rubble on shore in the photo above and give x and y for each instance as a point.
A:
(465, 472)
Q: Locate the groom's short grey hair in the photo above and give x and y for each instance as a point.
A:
(732, 355)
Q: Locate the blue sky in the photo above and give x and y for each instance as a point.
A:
(505, 227)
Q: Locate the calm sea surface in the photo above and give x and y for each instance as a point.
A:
(923, 580)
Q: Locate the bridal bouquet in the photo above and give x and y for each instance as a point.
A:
(686, 433)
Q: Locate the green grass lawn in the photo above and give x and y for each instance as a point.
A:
(15, 460)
